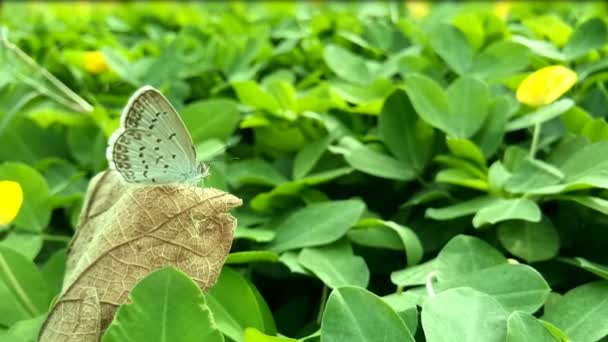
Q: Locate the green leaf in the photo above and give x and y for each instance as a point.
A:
(523, 327)
(531, 241)
(164, 306)
(290, 259)
(53, 270)
(406, 306)
(253, 171)
(453, 47)
(232, 316)
(406, 239)
(468, 100)
(514, 286)
(540, 115)
(26, 244)
(465, 149)
(335, 265)
(595, 203)
(507, 209)
(448, 317)
(406, 136)
(88, 146)
(251, 94)
(464, 208)
(35, 213)
(593, 267)
(590, 35)
(466, 254)
(429, 100)
(347, 65)
(214, 118)
(308, 156)
(251, 256)
(366, 160)
(317, 224)
(254, 234)
(254, 335)
(354, 314)
(532, 174)
(490, 135)
(581, 313)
(499, 60)
(24, 330)
(414, 275)
(25, 283)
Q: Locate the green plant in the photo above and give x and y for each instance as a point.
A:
(400, 182)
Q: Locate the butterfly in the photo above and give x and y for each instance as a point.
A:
(152, 144)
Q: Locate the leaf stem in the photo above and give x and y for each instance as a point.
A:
(535, 138)
(324, 294)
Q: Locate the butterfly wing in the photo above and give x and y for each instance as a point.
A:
(152, 145)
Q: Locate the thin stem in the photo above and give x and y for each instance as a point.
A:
(84, 106)
(324, 294)
(535, 138)
(58, 238)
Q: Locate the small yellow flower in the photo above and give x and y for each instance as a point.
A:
(94, 62)
(418, 9)
(545, 85)
(11, 198)
(501, 9)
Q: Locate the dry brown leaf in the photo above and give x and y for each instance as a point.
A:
(127, 231)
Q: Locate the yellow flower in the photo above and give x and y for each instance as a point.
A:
(11, 198)
(545, 85)
(94, 62)
(501, 9)
(418, 9)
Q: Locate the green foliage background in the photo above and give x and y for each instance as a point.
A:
(376, 151)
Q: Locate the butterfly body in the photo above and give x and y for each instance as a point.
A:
(152, 144)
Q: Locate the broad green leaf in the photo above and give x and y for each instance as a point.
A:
(347, 65)
(253, 171)
(164, 306)
(405, 238)
(251, 256)
(214, 118)
(540, 48)
(515, 287)
(24, 330)
(468, 100)
(335, 265)
(464, 208)
(507, 209)
(449, 317)
(531, 241)
(254, 335)
(429, 100)
(251, 94)
(532, 174)
(523, 327)
(581, 313)
(462, 177)
(453, 47)
(595, 203)
(414, 275)
(366, 160)
(406, 307)
(290, 259)
(88, 146)
(24, 282)
(354, 314)
(465, 255)
(306, 159)
(254, 234)
(499, 60)
(26, 244)
(232, 317)
(406, 136)
(490, 135)
(11, 310)
(540, 115)
(590, 35)
(587, 166)
(317, 224)
(35, 213)
(465, 149)
(53, 270)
